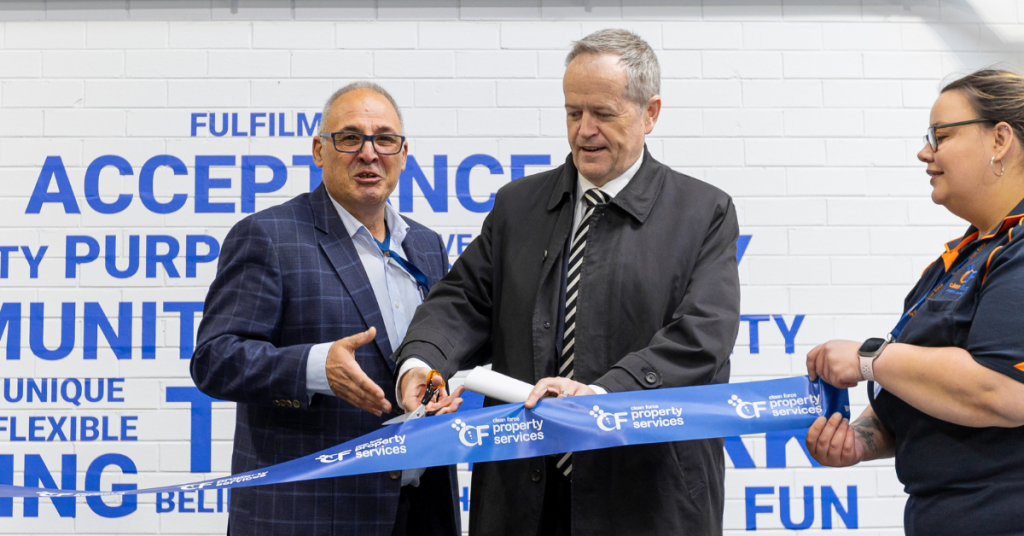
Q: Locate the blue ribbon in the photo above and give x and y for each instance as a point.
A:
(556, 425)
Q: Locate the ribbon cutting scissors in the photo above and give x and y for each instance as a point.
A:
(433, 392)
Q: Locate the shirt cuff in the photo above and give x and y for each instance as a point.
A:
(598, 389)
(316, 370)
(408, 365)
(411, 477)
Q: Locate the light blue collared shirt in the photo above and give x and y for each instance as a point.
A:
(396, 291)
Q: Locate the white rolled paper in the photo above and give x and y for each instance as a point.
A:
(497, 385)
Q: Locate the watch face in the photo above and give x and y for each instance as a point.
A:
(871, 346)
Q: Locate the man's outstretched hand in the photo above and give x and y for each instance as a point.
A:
(347, 379)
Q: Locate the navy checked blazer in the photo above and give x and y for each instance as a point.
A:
(289, 277)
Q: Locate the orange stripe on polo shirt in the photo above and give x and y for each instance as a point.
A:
(987, 263)
(1019, 366)
(951, 254)
(1007, 222)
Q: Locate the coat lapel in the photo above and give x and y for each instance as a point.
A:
(415, 253)
(557, 226)
(338, 246)
(559, 221)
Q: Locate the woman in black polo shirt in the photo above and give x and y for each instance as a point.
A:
(947, 398)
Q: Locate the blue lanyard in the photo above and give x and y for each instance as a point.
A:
(875, 388)
(419, 276)
(905, 319)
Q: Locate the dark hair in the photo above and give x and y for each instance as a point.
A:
(996, 95)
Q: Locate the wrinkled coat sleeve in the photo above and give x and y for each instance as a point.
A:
(694, 347)
(236, 356)
(455, 322)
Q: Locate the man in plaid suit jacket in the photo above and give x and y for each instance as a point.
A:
(299, 326)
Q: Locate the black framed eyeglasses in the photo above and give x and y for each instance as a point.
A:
(932, 142)
(352, 142)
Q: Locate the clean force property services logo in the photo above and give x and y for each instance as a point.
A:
(471, 436)
(747, 410)
(384, 446)
(608, 421)
(503, 431)
(646, 416)
(331, 458)
(780, 406)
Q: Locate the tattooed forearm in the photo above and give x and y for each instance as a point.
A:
(876, 440)
(867, 435)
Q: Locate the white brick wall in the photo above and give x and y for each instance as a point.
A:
(808, 112)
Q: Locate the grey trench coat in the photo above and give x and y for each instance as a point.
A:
(658, 307)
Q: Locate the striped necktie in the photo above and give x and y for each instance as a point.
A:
(592, 198)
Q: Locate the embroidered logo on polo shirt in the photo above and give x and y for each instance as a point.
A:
(960, 285)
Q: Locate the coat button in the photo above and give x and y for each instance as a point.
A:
(395, 475)
(651, 377)
(535, 475)
(547, 325)
(296, 404)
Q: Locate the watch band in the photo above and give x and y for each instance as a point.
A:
(867, 367)
(867, 362)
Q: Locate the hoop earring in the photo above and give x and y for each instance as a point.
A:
(992, 166)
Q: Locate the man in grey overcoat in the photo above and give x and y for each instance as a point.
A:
(609, 273)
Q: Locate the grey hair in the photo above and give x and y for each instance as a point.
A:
(362, 84)
(643, 74)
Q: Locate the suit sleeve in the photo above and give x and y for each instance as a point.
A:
(694, 347)
(236, 356)
(455, 322)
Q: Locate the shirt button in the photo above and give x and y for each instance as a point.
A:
(651, 377)
(535, 475)
(547, 325)
(395, 475)
(398, 305)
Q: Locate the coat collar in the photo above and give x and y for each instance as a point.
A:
(637, 198)
(416, 245)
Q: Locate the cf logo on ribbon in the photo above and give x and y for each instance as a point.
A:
(747, 410)
(471, 436)
(331, 458)
(608, 421)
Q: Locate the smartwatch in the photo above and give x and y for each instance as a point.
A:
(869, 351)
